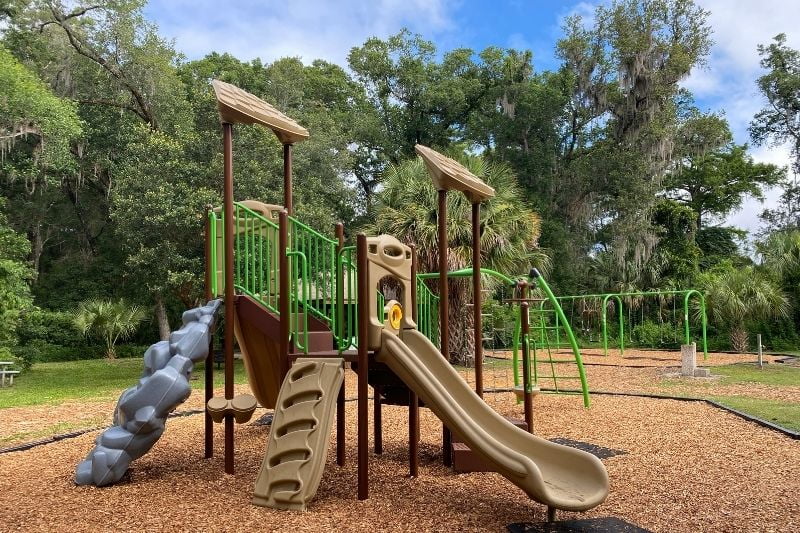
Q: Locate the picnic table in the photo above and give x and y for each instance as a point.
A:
(4, 371)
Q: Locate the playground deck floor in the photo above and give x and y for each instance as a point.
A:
(687, 467)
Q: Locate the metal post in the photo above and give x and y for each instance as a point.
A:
(227, 140)
(283, 288)
(476, 296)
(413, 401)
(444, 310)
(363, 360)
(413, 434)
(377, 420)
(760, 352)
(287, 177)
(208, 425)
(340, 410)
(526, 358)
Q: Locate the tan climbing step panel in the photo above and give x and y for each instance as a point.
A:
(298, 441)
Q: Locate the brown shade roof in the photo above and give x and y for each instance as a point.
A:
(240, 107)
(450, 175)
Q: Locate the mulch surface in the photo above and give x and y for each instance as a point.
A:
(687, 467)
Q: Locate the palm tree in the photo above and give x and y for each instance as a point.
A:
(407, 208)
(781, 254)
(109, 320)
(738, 297)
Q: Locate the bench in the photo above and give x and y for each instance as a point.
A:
(4, 371)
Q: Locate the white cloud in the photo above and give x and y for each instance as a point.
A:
(309, 29)
(729, 82)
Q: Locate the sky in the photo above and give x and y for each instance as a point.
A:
(324, 29)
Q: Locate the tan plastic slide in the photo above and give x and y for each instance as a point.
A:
(557, 476)
(298, 440)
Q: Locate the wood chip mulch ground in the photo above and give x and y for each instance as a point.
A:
(688, 467)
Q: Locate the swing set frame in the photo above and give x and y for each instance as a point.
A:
(619, 297)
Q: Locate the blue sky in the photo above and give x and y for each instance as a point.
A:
(326, 29)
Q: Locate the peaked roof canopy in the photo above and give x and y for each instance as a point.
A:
(240, 107)
(450, 175)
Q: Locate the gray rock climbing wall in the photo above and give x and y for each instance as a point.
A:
(142, 410)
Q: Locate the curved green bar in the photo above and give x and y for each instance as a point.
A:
(568, 329)
(603, 315)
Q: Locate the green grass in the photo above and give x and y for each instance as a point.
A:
(784, 414)
(90, 380)
(775, 374)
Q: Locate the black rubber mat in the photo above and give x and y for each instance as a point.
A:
(594, 449)
(263, 420)
(609, 524)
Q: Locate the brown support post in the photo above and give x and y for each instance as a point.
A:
(283, 287)
(363, 360)
(526, 356)
(413, 401)
(444, 311)
(377, 420)
(227, 139)
(340, 411)
(287, 177)
(413, 434)
(476, 296)
(208, 427)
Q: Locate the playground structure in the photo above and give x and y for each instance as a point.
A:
(290, 303)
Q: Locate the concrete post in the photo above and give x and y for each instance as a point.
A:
(688, 359)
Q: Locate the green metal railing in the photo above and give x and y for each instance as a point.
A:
(322, 278)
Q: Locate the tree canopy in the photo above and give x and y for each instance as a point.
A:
(605, 167)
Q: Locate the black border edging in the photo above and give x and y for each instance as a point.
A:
(760, 421)
(71, 435)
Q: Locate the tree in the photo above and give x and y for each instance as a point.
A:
(780, 255)
(716, 183)
(786, 215)
(779, 122)
(36, 129)
(414, 99)
(15, 274)
(621, 120)
(157, 208)
(737, 297)
(110, 320)
(30, 114)
(407, 208)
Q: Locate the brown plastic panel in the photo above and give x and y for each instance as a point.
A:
(300, 434)
(237, 106)
(450, 175)
(257, 333)
(387, 256)
(241, 407)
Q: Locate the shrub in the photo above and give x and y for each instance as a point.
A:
(18, 362)
(656, 335)
(38, 352)
(49, 327)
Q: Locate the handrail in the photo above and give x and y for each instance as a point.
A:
(295, 310)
